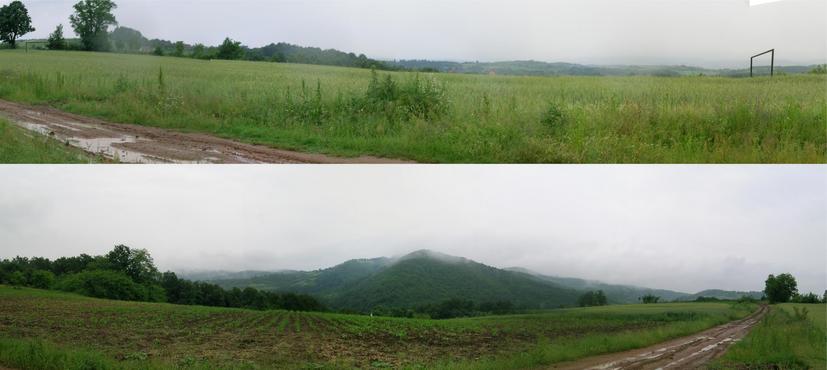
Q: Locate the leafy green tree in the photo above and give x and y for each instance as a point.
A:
(14, 22)
(91, 21)
(41, 279)
(589, 299)
(135, 263)
(806, 298)
(56, 40)
(127, 39)
(781, 288)
(230, 50)
(179, 49)
(17, 279)
(103, 284)
(198, 51)
(649, 299)
(159, 51)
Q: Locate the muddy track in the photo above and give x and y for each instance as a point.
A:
(692, 352)
(141, 144)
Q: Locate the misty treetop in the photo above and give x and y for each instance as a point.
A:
(91, 21)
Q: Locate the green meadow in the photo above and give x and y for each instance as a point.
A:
(792, 336)
(444, 118)
(50, 330)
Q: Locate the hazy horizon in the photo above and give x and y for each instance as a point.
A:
(685, 228)
(597, 32)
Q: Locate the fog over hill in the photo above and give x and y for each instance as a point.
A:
(429, 277)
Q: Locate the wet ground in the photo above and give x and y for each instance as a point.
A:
(692, 352)
(141, 144)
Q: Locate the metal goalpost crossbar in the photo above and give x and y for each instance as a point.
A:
(772, 62)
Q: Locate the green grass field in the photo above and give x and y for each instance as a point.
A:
(45, 327)
(478, 119)
(783, 341)
(21, 147)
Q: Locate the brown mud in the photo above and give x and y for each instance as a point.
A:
(129, 143)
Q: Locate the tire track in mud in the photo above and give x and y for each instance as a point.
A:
(129, 143)
(691, 352)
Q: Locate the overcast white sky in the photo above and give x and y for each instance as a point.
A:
(712, 33)
(680, 227)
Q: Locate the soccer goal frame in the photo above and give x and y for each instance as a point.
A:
(772, 62)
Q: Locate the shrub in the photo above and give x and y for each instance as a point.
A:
(103, 284)
(553, 117)
(820, 69)
(417, 97)
(41, 279)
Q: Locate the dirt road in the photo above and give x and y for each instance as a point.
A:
(692, 352)
(140, 144)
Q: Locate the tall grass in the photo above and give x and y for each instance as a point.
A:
(783, 340)
(439, 117)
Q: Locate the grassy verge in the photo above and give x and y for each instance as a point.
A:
(783, 340)
(549, 352)
(21, 147)
(441, 117)
(164, 335)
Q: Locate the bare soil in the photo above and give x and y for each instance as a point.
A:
(140, 144)
(692, 352)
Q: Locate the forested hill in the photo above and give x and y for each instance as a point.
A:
(128, 40)
(417, 279)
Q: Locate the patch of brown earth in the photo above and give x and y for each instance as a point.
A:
(141, 144)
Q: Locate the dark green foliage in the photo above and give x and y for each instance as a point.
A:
(595, 298)
(128, 40)
(287, 53)
(41, 279)
(806, 298)
(56, 40)
(135, 263)
(408, 282)
(498, 308)
(452, 308)
(130, 274)
(104, 284)
(417, 97)
(14, 22)
(158, 51)
(16, 279)
(230, 50)
(553, 117)
(781, 288)
(820, 69)
(91, 22)
(179, 49)
(649, 299)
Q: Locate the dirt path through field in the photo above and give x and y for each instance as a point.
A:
(140, 144)
(692, 352)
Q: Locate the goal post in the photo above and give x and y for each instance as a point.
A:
(772, 62)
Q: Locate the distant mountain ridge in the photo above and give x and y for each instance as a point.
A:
(427, 277)
(536, 68)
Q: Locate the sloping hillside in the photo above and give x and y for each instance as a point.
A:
(416, 279)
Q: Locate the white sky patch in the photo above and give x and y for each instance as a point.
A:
(709, 33)
(762, 2)
(687, 228)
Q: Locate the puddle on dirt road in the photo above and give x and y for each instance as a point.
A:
(109, 147)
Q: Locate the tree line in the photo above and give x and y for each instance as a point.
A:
(130, 274)
(92, 20)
